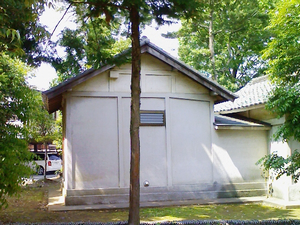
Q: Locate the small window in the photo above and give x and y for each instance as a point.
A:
(152, 118)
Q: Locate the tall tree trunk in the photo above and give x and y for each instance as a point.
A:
(134, 202)
(211, 40)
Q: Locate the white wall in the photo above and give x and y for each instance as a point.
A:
(94, 142)
(190, 123)
(175, 154)
(156, 77)
(236, 152)
(153, 145)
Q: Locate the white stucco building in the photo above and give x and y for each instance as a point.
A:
(185, 152)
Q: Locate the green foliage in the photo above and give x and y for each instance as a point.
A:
(92, 44)
(282, 166)
(283, 50)
(283, 54)
(17, 102)
(238, 36)
(42, 126)
(284, 102)
(21, 34)
(22, 39)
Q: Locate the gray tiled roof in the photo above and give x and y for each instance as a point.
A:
(254, 93)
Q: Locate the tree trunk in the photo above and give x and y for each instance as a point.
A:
(211, 40)
(134, 202)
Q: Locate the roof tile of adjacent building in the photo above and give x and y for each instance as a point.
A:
(254, 93)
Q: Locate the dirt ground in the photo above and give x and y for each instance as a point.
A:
(31, 207)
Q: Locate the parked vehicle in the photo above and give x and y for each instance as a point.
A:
(54, 162)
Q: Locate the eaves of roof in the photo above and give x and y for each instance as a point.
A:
(230, 123)
(53, 97)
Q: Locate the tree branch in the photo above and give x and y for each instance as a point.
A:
(219, 31)
(60, 20)
(203, 26)
(99, 4)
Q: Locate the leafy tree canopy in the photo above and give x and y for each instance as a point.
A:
(283, 54)
(21, 33)
(225, 38)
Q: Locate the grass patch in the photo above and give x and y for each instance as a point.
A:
(31, 207)
(219, 212)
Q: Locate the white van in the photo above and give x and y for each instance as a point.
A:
(54, 162)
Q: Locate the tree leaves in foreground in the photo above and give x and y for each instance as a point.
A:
(225, 39)
(22, 42)
(17, 102)
(283, 54)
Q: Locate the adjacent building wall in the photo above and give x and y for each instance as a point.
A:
(236, 153)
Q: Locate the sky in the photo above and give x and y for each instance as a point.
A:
(45, 73)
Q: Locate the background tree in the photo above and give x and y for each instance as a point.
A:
(42, 127)
(94, 42)
(283, 54)
(134, 13)
(225, 39)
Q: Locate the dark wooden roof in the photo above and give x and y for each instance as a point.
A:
(53, 97)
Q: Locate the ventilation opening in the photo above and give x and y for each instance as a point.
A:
(152, 118)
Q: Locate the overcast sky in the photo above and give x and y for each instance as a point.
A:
(45, 73)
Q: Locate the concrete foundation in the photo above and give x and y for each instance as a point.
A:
(177, 193)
